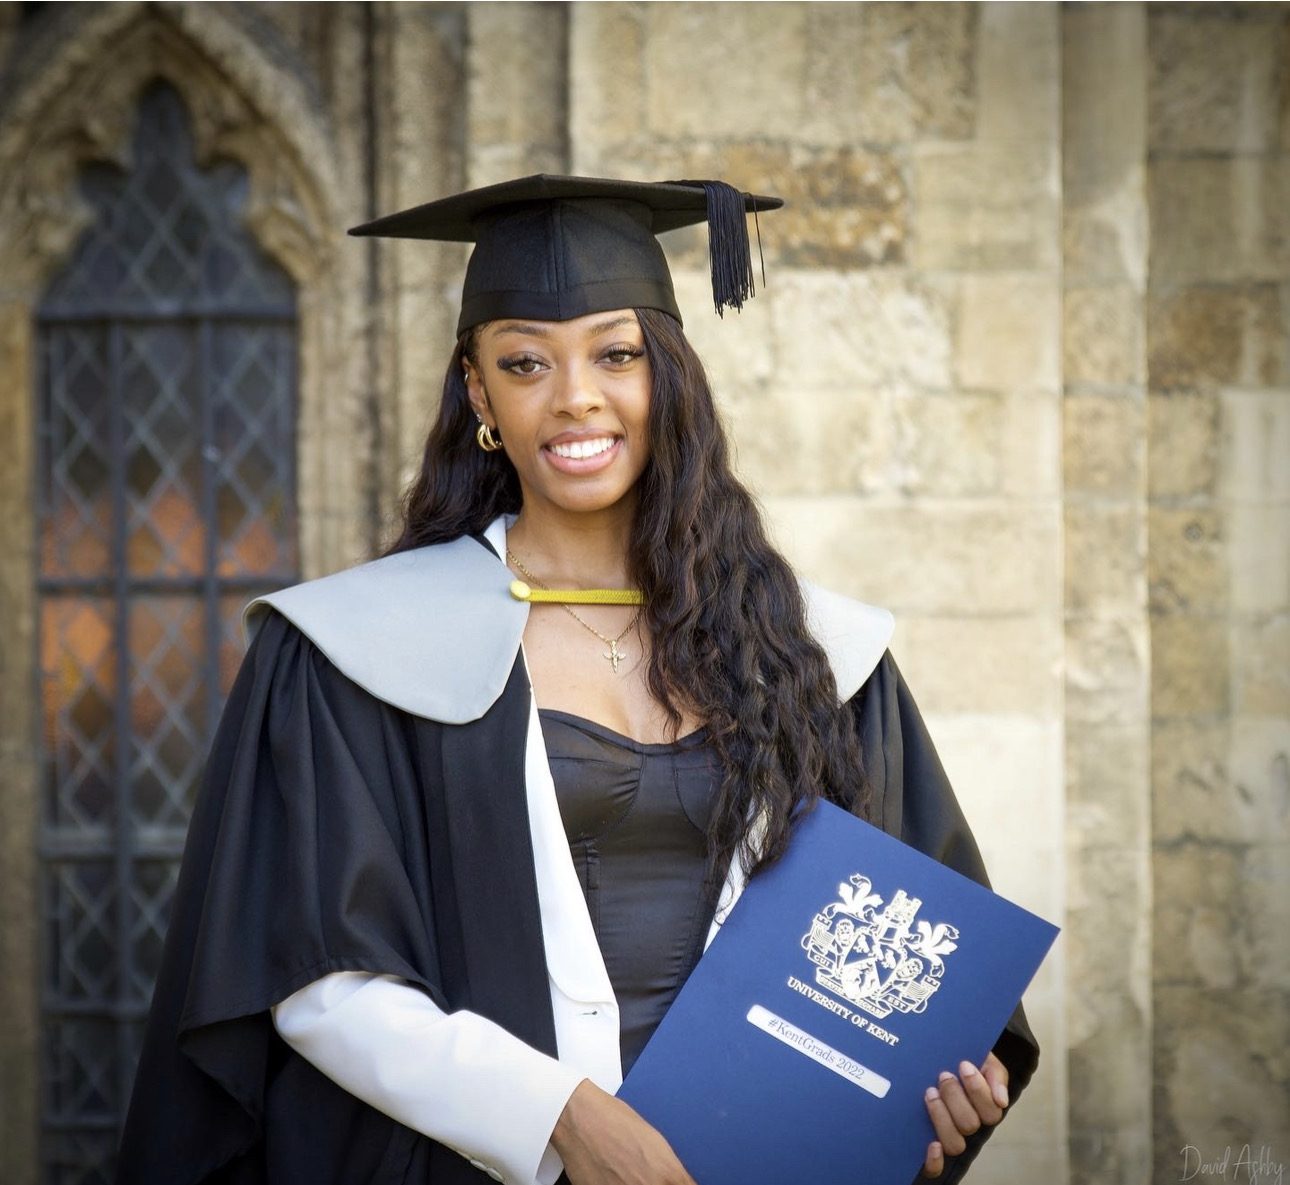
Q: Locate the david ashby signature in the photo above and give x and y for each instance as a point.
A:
(1252, 1164)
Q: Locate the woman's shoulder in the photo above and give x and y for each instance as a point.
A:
(433, 630)
(853, 634)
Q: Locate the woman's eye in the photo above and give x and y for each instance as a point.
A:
(622, 355)
(520, 364)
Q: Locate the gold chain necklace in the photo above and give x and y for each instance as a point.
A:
(614, 655)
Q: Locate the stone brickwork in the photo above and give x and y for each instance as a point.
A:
(1218, 440)
(894, 394)
(1020, 371)
(1108, 667)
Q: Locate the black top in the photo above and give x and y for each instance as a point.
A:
(636, 816)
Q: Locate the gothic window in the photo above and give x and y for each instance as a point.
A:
(166, 400)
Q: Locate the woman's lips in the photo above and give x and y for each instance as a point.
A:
(581, 457)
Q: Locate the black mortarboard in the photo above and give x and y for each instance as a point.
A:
(553, 248)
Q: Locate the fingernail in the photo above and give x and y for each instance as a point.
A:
(1001, 1094)
(966, 1069)
(932, 1094)
(946, 1076)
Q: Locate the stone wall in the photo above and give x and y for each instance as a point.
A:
(1218, 445)
(1019, 372)
(70, 79)
(894, 393)
(1108, 670)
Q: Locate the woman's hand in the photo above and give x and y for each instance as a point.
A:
(960, 1106)
(602, 1141)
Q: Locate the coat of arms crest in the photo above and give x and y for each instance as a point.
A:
(879, 958)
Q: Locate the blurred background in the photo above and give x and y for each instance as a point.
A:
(1020, 372)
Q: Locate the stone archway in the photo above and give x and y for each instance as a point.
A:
(71, 103)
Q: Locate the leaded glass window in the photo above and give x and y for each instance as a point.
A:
(166, 499)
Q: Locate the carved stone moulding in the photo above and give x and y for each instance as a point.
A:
(80, 107)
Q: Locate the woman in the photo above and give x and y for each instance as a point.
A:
(383, 963)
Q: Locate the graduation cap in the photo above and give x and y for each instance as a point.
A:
(553, 248)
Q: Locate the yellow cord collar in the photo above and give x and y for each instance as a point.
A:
(576, 596)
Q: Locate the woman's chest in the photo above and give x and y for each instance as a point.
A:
(596, 667)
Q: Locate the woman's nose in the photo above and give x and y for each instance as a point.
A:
(576, 392)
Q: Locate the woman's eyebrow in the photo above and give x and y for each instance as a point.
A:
(542, 331)
(615, 323)
(520, 327)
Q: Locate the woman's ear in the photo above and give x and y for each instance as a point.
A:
(475, 392)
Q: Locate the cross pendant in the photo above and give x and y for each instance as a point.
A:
(613, 655)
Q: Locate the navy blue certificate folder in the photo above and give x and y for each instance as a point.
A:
(846, 978)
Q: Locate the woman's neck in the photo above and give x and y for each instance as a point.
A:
(573, 550)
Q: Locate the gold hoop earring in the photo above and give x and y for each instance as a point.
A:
(486, 440)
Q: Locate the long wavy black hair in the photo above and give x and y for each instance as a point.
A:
(724, 611)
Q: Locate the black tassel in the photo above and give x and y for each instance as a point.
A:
(728, 248)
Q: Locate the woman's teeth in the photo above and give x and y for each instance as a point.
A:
(580, 449)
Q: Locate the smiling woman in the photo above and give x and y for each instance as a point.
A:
(457, 851)
(570, 400)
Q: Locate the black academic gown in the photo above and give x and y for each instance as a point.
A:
(335, 832)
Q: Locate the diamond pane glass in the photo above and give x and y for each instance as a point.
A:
(81, 1069)
(166, 436)
(165, 534)
(168, 706)
(152, 891)
(79, 1157)
(80, 900)
(78, 673)
(168, 233)
(232, 638)
(254, 421)
(74, 465)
